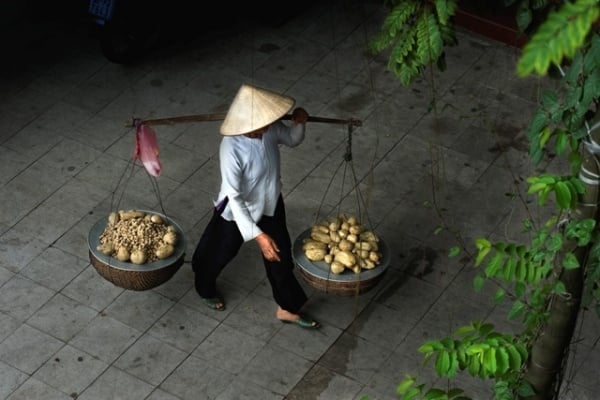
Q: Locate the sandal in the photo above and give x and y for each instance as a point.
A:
(215, 303)
(303, 322)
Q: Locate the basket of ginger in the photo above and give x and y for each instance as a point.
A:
(136, 249)
(341, 256)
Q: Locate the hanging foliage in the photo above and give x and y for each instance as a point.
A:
(417, 32)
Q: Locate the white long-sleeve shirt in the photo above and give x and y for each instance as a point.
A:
(251, 175)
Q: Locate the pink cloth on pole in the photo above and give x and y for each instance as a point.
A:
(146, 149)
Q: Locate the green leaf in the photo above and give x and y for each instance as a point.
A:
(454, 251)
(514, 358)
(435, 394)
(536, 187)
(561, 142)
(559, 288)
(502, 360)
(405, 385)
(494, 265)
(477, 348)
(563, 195)
(499, 295)
(516, 310)
(489, 360)
(442, 363)
(411, 394)
(478, 282)
(570, 261)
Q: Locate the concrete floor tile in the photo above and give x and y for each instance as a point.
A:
(354, 357)
(10, 379)
(306, 343)
(183, 327)
(8, 325)
(324, 384)
(194, 379)
(242, 390)
(54, 268)
(28, 348)
(382, 325)
(56, 221)
(118, 385)
(139, 309)
(179, 284)
(91, 289)
(265, 369)
(33, 389)
(150, 359)
(105, 338)
(17, 249)
(5, 275)
(409, 295)
(229, 349)
(159, 394)
(70, 370)
(255, 316)
(62, 317)
(21, 297)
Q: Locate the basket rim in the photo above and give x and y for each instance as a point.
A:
(100, 225)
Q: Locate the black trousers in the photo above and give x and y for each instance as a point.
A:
(221, 242)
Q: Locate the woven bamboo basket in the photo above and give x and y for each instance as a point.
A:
(131, 276)
(317, 273)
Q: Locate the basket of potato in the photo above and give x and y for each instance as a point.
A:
(340, 255)
(136, 249)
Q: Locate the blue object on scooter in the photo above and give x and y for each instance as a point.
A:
(102, 10)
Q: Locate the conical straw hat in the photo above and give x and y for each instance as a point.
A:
(253, 108)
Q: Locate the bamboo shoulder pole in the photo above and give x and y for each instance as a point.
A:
(221, 116)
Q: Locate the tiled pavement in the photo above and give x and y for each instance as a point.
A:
(65, 332)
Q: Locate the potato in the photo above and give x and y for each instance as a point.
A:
(374, 256)
(138, 257)
(337, 267)
(352, 237)
(313, 244)
(368, 264)
(113, 218)
(125, 215)
(165, 251)
(334, 236)
(106, 248)
(355, 268)
(315, 254)
(345, 257)
(320, 236)
(369, 236)
(334, 226)
(363, 245)
(123, 254)
(355, 229)
(328, 258)
(170, 238)
(321, 228)
(157, 219)
(362, 254)
(345, 244)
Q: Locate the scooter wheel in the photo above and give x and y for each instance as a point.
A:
(122, 44)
